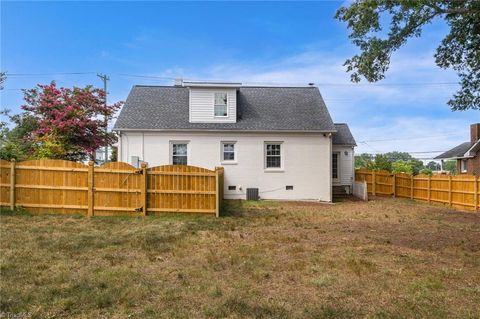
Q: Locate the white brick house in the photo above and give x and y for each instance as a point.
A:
(280, 140)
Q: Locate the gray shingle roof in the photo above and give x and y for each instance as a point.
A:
(457, 151)
(343, 136)
(258, 109)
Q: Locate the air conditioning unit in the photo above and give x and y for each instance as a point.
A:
(252, 193)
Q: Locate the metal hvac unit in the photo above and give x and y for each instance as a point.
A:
(252, 193)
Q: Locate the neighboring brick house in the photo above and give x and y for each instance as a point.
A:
(466, 154)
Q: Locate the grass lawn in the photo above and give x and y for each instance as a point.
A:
(383, 259)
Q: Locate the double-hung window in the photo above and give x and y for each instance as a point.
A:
(273, 155)
(179, 153)
(228, 152)
(220, 104)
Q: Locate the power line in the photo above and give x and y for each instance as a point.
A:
(410, 138)
(145, 76)
(245, 82)
(396, 158)
(425, 152)
(46, 74)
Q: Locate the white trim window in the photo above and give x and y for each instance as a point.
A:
(220, 104)
(463, 165)
(179, 153)
(273, 155)
(228, 152)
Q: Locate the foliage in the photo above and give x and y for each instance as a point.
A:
(405, 162)
(458, 50)
(434, 166)
(3, 77)
(450, 166)
(71, 122)
(402, 167)
(3, 112)
(381, 162)
(417, 165)
(15, 143)
(426, 171)
(114, 155)
(362, 160)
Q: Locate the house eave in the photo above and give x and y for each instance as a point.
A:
(351, 145)
(453, 158)
(221, 130)
(473, 149)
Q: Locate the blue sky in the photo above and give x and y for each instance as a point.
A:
(256, 43)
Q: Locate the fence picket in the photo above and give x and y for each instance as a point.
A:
(12, 184)
(91, 194)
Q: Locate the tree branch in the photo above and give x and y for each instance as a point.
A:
(452, 11)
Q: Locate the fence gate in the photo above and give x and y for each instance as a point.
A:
(58, 186)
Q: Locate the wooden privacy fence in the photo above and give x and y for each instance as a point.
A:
(58, 186)
(462, 191)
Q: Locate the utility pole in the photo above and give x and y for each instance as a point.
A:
(105, 78)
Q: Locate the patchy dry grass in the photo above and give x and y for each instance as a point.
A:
(382, 259)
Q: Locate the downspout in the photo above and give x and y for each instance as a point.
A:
(119, 150)
(353, 170)
(330, 163)
(128, 149)
(143, 146)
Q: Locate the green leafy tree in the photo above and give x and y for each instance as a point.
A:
(16, 142)
(399, 156)
(363, 160)
(402, 167)
(3, 112)
(450, 166)
(459, 50)
(381, 162)
(426, 171)
(416, 164)
(114, 155)
(3, 78)
(434, 166)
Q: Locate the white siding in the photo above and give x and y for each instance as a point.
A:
(306, 160)
(202, 105)
(345, 165)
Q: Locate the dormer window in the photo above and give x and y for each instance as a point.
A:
(220, 106)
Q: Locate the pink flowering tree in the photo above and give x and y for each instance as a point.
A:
(71, 122)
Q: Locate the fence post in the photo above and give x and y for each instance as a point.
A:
(429, 188)
(143, 189)
(450, 190)
(374, 182)
(217, 192)
(411, 187)
(475, 193)
(394, 186)
(91, 193)
(12, 184)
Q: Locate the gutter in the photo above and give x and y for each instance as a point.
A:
(222, 130)
(454, 158)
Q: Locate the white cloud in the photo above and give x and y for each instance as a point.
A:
(393, 108)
